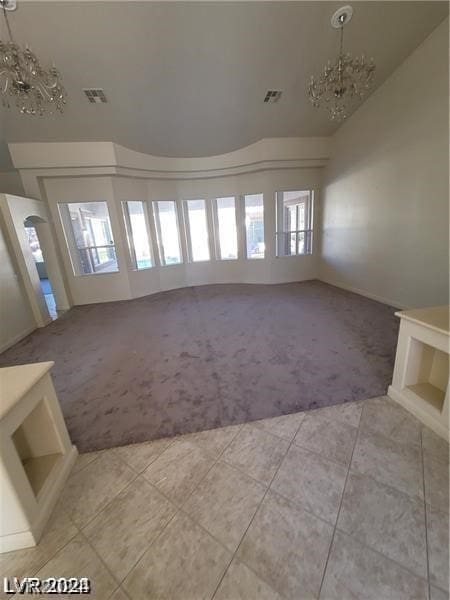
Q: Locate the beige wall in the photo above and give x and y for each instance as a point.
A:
(385, 228)
(10, 183)
(16, 316)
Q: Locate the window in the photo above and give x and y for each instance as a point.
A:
(89, 237)
(254, 225)
(137, 231)
(294, 223)
(197, 230)
(226, 225)
(33, 241)
(167, 230)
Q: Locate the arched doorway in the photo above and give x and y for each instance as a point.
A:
(36, 250)
(49, 283)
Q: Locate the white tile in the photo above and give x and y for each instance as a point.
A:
(184, 562)
(77, 559)
(436, 475)
(239, 583)
(128, 525)
(87, 492)
(312, 480)
(355, 571)
(256, 453)
(287, 548)
(438, 594)
(394, 463)
(139, 456)
(214, 441)
(386, 520)
(178, 470)
(435, 446)
(284, 427)
(384, 416)
(25, 563)
(348, 413)
(224, 503)
(330, 438)
(85, 459)
(438, 551)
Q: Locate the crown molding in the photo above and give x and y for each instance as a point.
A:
(85, 158)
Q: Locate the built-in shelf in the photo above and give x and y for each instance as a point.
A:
(421, 373)
(429, 393)
(427, 373)
(36, 455)
(38, 470)
(38, 446)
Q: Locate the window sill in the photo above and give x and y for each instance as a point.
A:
(96, 274)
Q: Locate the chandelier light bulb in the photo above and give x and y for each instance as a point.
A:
(23, 81)
(344, 79)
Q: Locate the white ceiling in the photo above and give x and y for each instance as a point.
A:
(189, 78)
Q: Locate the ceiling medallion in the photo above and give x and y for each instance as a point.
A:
(347, 78)
(23, 82)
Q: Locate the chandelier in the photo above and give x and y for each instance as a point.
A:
(23, 82)
(347, 78)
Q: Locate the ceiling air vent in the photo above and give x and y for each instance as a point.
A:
(95, 95)
(273, 96)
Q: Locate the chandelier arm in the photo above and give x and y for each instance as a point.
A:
(8, 27)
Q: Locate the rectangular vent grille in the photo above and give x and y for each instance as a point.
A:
(273, 96)
(95, 95)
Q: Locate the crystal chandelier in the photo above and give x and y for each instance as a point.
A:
(345, 79)
(23, 82)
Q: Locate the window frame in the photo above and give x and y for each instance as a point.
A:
(244, 226)
(187, 229)
(72, 248)
(130, 236)
(159, 241)
(283, 237)
(216, 226)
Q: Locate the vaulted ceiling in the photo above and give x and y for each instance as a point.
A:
(189, 78)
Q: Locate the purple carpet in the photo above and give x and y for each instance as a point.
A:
(205, 357)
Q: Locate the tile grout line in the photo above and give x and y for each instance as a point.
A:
(388, 558)
(117, 454)
(340, 505)
(86, 540)
(98, 513)
(148, 547)
(323, 456)
(80, 529)
(178, 508)
(372, 549)
(411, 497)
(85, 466)
(56, 552)
(425, 515)
(251, 521)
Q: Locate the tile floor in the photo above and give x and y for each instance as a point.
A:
(345, 502)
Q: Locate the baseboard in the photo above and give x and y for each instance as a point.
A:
(365, 293)
(17, 338)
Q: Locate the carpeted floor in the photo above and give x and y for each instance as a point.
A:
(205, 357)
